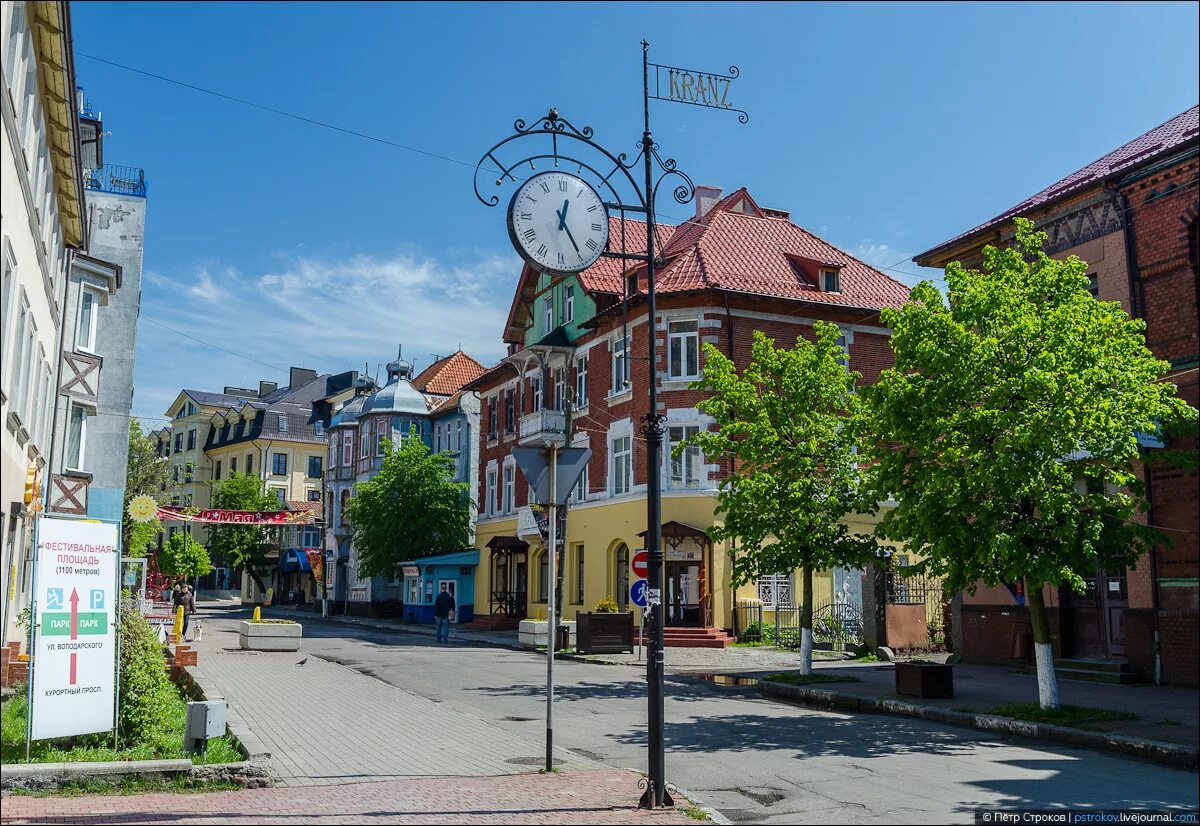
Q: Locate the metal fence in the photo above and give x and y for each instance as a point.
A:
(123, 180)
(916, 589)
(836, 626)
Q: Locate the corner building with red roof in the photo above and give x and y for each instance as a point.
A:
(733, 268)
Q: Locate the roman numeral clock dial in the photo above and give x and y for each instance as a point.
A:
(557, 222)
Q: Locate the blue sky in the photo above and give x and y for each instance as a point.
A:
(885, 128)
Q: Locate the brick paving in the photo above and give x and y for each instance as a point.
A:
(324, 723)
(604, 796)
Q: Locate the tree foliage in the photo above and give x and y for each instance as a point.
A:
(410, 508)
(145, 473)
(242, 547)
(1008, 428)
(786, 425)
(183, 556)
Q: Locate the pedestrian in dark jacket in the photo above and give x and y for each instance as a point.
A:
(188, 600)
(443, 611)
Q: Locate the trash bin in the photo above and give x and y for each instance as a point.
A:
(563, 640)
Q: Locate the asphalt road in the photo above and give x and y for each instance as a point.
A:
(757, 760)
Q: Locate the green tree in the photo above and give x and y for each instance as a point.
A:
(242, 547)
(1007, 429)
(785, 426)
(410, 508)
(183, 556)
(145, 473)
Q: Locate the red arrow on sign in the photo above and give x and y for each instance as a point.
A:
(641, 564)
(74, 614)
(73, 656)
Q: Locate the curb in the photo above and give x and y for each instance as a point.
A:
(1171, 754)
(400, 629)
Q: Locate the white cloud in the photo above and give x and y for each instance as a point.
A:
(325, 313)
(898, 263)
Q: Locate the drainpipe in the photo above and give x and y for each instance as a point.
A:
(1137, 306)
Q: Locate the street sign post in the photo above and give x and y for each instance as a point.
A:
(72, 683)
(637, 593)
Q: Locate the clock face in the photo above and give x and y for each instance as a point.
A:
(558, 222)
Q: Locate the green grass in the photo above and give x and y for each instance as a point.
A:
(132, 785)
(90, 748)
(750, 644)
(1066, 715)
(695, 813)
(796, 678)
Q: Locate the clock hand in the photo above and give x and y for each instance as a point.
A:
(572, 237)
(562, 216)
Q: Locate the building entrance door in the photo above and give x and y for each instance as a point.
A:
(682, 598)
(1098, 615)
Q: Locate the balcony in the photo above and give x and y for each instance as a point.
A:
(542, 428)
(121, 180)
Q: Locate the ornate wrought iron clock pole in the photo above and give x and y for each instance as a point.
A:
(541, 238)
(656, 794)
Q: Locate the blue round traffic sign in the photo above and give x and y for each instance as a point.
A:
(637, 593)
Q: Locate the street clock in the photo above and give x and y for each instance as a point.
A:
(558, 222)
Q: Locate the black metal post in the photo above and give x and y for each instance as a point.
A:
(656, 792)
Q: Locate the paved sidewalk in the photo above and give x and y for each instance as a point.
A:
(1167, 713)
(323, 723)
(606, 796)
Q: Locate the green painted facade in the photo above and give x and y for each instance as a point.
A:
(584, 308)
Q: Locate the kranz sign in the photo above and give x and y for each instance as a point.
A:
(73, 683)
(696, 88)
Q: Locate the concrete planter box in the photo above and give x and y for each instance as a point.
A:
(270, 636)
(532, 633)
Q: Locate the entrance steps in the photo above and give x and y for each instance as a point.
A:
(1095, 670)
(694, 638)
(493, 622)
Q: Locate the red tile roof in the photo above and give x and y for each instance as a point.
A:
(446, 376)
(605, 275)
(1158, 141)
(753, 251)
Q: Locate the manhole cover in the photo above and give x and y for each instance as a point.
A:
(530, 761)
(511, 719)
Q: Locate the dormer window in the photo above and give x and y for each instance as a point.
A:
(830, 282)
(283, 424)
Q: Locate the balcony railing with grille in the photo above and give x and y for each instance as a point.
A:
(544, 427)
(122, 180)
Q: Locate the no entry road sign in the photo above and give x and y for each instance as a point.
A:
(640, 564)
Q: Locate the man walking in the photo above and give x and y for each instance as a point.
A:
(443, 612)
(188, 601)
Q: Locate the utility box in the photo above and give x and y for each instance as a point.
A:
(205, 720)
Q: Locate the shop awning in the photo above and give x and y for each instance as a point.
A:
(469, 556)
(294, 559)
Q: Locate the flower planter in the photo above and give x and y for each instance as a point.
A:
(532, 633)
(605, 633)
(924, 680)
(270, 636)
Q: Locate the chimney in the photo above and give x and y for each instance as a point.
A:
(299, 376)
(706, 199)
(265, 388)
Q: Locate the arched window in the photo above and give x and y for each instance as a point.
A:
(621, 575)
(544, 577)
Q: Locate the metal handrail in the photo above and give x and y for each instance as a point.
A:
(121, 180)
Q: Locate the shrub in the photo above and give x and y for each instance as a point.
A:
(147, 695)
(608, 605)
(758, 632)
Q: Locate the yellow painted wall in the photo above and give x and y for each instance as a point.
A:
(600, 527)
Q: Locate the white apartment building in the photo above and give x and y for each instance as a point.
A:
(41, 220)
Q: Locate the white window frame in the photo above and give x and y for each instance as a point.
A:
(283, 426)
(274, 463)
(775, 589)
(548, 313)
(679, 466)
(509, 487)
(535, 383)
(620, 464)
(87, 343)
(687, 340)
(82, 455)
(581, 375)
(569, 304)
(559, 375)
(348, 448)
(489, 503)
(831, 281)
(620, 366)
(280, 492)
(580, 492)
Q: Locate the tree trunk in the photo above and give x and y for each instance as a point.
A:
(806, 638)
(262, 589)
(1043, 650)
